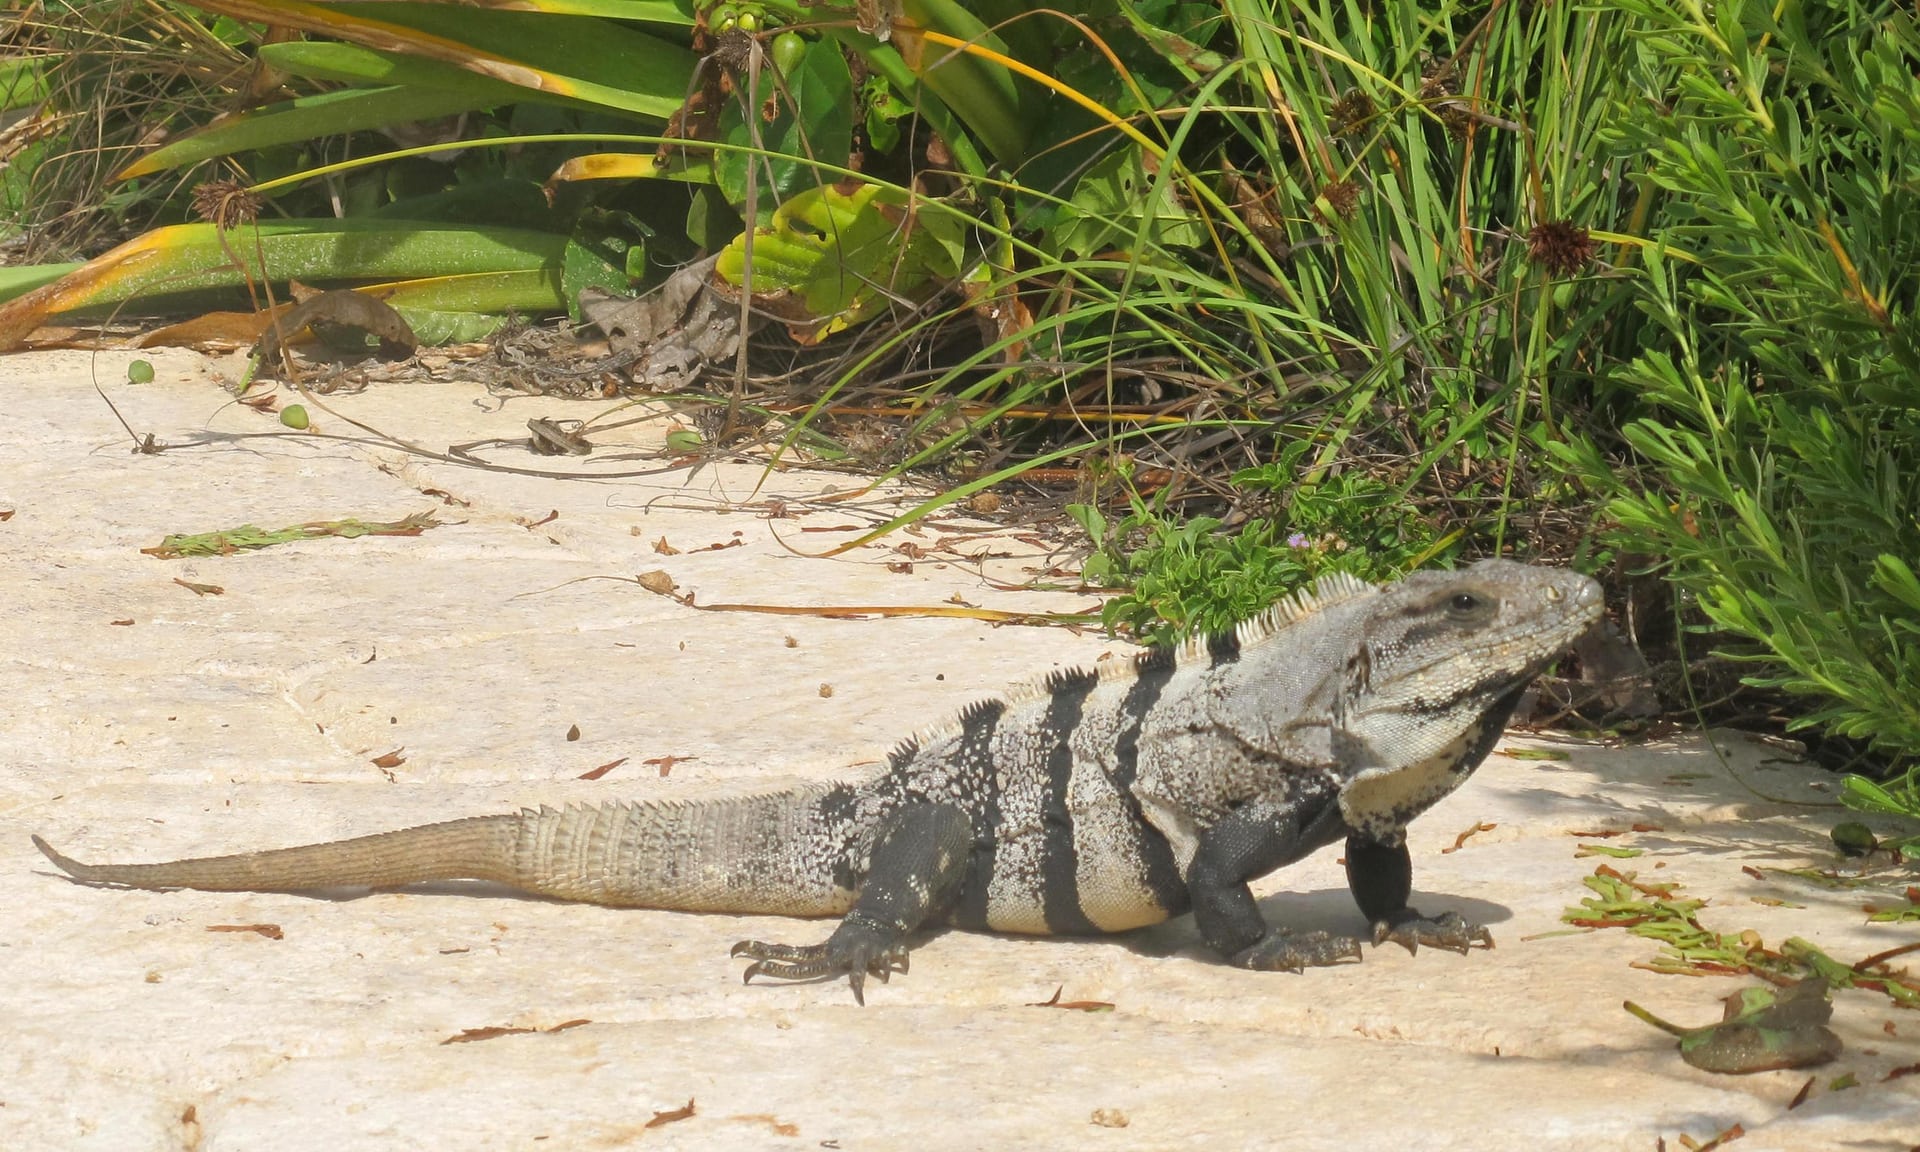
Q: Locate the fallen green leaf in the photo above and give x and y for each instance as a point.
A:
(1899, 913)
(1604, 850)
(248, 537)
(1534, 754)
(1759, 1031)
(1853, 838)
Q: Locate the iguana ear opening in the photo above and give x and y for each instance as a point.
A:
(1360, 670)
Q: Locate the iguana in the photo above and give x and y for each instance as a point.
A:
(1095, 800)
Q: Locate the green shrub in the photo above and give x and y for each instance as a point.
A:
(1776, 413)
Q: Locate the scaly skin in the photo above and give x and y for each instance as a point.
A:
(1092, 801)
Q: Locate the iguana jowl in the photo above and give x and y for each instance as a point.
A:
(1093, 801)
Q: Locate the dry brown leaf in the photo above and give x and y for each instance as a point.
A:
(212, 331)
(270, 931)
(670, 1116)
(609, 766)
(469, 1035)
(665, 763)
(1072, 1005)
(1460, 841)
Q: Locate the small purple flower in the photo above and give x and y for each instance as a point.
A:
(1298, 540)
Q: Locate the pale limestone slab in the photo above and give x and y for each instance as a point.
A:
(216, 723)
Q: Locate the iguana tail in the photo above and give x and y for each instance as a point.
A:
(790, 853)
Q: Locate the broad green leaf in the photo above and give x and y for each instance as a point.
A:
(673, 12)
(1114, 200)
(307, 118)
(435, 329)
(1864, 795)
(353, 64)
(979, 91)
(597, 255)
(814, 123)
(599, 61)
(194, 257)
(525, 290)
(25, 278)
(884, 111)
(23, 81)
(1193, 60)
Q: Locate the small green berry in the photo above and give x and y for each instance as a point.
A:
(789, 49)
(294, 416)
(139, 372)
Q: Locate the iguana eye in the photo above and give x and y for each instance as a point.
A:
(1463, 602)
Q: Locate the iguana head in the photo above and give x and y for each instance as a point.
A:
(1438, 650)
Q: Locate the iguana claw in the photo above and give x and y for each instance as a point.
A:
(1449, 930)
(845, 954)
(1287, 952)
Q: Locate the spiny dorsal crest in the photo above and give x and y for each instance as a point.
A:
(1333, 588)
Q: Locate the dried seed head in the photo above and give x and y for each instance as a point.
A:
(1562, 246)
(225, 204)
(1439, 83)
(1349, 114)
(1344, 196)
(733, 49)
(1439, 91)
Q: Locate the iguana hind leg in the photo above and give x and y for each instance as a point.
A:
(1381, 879)
(919, 857)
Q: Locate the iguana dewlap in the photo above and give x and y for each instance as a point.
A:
(1092, 801)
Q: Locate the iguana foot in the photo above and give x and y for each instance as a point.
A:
(855, 951)
(1287, 952)
(1448, 930)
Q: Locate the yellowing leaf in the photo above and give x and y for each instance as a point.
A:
(834, 256)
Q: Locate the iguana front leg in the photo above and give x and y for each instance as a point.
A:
(1381, 878)
(919, 857)
(1248, 842)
